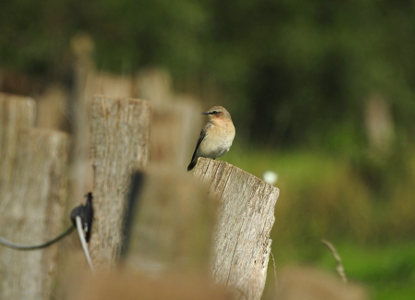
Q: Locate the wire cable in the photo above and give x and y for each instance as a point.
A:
(39, 246)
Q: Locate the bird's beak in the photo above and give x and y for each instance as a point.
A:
(205, 113)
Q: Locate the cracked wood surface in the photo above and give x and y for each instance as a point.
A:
(120, 129)
(242, 241)
(32, 198)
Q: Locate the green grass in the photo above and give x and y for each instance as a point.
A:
(388, 270)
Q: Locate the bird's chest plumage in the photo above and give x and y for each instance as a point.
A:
(217, 141)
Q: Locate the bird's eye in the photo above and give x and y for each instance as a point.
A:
(214, 112)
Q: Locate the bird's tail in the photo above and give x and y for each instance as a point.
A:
(192, 163)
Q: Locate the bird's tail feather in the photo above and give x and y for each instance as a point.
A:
(192, 164)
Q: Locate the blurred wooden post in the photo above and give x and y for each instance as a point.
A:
(176, 120)
(120, 130)
(32, 196)
(154, 84)
(51, 108)
(175, 129)
(80, 174)
(242, 243)
(172, 224)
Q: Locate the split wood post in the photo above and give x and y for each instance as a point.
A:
(171, 224)
(242, 243)
(32, 199)
(120, 130)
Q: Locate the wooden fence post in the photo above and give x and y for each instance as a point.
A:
(120, 131)
(16, 113)
(171, 223)
(242, 243)
(32, 196)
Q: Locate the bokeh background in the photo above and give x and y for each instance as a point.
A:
(321, 92)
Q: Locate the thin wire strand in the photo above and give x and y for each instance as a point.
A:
(83, 242)
(39, 246)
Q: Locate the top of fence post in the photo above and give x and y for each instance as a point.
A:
(242, 243)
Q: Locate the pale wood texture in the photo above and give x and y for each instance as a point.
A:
(16, 113)
(242, 241)
(32, 199)
(120, 131)
(172, 224)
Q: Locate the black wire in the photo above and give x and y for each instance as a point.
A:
(40, 246)
(85, 212)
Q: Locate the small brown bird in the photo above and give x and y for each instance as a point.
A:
(216, 137)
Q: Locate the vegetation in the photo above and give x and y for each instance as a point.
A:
(295, 72)
(297, 76)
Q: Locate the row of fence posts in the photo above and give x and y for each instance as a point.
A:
(216, 220)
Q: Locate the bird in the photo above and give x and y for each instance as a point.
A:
(216, 136)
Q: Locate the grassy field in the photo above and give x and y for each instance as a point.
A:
(324, 196)
(388, 270)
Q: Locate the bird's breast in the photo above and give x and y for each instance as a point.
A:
(217, 141)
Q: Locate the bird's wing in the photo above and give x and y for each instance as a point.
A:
(194, 156)
(201, 137)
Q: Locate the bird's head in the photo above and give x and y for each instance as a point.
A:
(217, 113)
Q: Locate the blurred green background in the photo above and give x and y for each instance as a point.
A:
(321, 92)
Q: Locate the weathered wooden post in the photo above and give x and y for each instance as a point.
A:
(32, 196)
(172, 224)
(242, 243)
(120, 131)
(16, 114)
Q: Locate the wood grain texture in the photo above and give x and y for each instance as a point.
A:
(32, 201)
(120, 130)
(242, 241)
